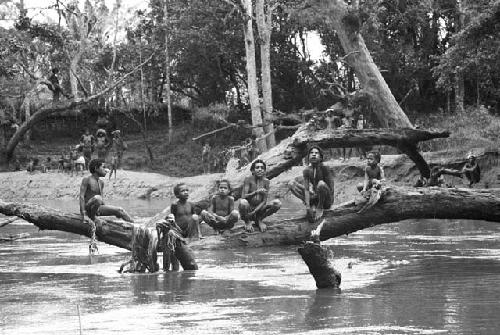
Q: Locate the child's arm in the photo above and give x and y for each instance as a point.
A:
(307, 196)
(83, 189)
(212, 204)
(382, 174)
(366, 181)
(264, 198)
(231, 205)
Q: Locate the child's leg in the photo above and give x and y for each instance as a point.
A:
(107, 210)
(244, 209)
(297, 189)
(325, 199)
(267, 210)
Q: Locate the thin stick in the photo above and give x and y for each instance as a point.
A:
(79, 318)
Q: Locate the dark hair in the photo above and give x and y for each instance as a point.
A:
(177, 189)
(257, 161)
(55, 70)
(95, 164)
(224, 181)
(317, 148)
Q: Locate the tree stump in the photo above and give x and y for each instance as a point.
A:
(316, 258)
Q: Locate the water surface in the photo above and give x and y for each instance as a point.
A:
(412, 277)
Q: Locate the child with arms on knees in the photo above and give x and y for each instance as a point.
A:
(221, 215)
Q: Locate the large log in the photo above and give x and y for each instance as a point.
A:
(291, 150)
(396, 204)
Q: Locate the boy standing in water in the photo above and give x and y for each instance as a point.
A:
(91, 203)
(184, 213)
(317, 190)
(221, 215)
(374, 174)
(253, 200)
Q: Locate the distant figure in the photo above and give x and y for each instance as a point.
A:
(205, 157)
(80, 163)
(221, 214)
(91, 200)
(60, 165)
(374, 174)
(346, 124)
(55, 86)
(471, 170)
(253, 203)
(184, 212)
(436, 177)
(360, 124)
(102, 144)
(244, 155)
(87, 142)
(317, 187)
(113, 164)
(73, 156)
(118, 146)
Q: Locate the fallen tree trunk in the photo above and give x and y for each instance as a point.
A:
(140, 238)
(396, 204)
(291, 150)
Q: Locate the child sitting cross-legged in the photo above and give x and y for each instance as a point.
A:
(221, 214)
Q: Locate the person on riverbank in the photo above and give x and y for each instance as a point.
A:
(221, 214)
(317, 187)
(184, 212)
(118, 146)
(102, 144)
(253, 203)
(205, 157)
(91, 199)
(374, 173)
(471, 170)
(87, 142)
(113, 164)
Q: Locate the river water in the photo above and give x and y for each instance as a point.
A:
(412, 277)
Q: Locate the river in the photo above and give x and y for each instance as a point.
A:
(412, 277)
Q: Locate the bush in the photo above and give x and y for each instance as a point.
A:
(475, 127)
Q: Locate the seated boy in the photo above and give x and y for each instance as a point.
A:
(184, 213)
(221, 215)
(374, 174)
(91, 202)
(471, 170)
(317, 189)
(253, 203)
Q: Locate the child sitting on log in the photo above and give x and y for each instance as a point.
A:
(374, 174)
(91, 202)
(253, 203)
(317, 189)
(471, 170)
(221, 215)
(184, 212)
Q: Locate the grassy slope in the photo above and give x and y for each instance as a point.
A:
(472, 129)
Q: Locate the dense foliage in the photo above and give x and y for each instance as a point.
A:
(418, 45)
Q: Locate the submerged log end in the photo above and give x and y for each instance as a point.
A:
(316, 258)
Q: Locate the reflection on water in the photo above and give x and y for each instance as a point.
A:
(414, 277)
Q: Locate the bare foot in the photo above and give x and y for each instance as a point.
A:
(262, 227)
(248, 227)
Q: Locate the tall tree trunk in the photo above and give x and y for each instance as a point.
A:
(264, 25)
(253, 90)
(167, 77)
(387, 109)
(459, 75)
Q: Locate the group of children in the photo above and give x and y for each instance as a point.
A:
(78, 157)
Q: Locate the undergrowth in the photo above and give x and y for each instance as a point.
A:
(473, 128)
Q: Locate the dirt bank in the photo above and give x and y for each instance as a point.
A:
(399, 169)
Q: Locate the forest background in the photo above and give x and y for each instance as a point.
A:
(173, 70)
